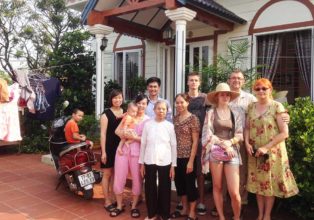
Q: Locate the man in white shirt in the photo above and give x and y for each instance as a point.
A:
(153, 89)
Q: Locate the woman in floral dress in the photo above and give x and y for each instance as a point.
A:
(269, 174)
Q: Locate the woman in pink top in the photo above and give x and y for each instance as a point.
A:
(128, 160)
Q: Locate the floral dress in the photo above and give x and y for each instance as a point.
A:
(268, 176)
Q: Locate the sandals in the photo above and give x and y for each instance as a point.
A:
(213, 212)
(190, 218)
(135, 213)
(179, 207)
(177, 214)
(116, 212)
(111, 207)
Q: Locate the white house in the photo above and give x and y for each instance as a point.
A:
(280, 31)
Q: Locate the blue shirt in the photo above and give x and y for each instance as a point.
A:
(150, 109)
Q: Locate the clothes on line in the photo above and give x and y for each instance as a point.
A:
(9, 116)
(4, 92)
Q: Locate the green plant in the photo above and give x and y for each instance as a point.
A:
(300, 146)
(136, 85)
(219, 72)
(35, 135)
(90, 127)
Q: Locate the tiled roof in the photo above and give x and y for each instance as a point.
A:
(215, 8)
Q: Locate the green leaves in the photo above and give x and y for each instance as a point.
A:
(300, 146)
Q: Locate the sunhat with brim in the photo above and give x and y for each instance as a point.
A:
(221, 87)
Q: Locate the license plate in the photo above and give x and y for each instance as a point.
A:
(86, 179)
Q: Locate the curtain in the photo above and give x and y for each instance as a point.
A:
(268, 54)
(303, 50)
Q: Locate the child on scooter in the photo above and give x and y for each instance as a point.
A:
(128, 125)
(71, 129)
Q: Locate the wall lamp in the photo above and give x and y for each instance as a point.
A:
(104, 43)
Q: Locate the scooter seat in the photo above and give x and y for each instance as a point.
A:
(72, 147)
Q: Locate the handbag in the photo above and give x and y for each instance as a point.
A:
(218, 153)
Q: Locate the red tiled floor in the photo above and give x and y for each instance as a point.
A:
(27, 191)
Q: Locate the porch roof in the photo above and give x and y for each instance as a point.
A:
(147, 19)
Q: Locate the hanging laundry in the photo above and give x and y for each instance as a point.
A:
(28, 96)
(52, 88)
(36, 81)
(9, 116)
(4, 92)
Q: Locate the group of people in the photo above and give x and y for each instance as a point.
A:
(237, 137)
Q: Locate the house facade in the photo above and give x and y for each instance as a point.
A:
(160, 37)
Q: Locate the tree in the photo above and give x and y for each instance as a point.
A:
(75, 67)
(32, 29)
(11, 25)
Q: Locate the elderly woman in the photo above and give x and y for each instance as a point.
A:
(268, 165)
(222, 131)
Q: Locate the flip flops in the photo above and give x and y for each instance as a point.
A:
(177, 214)
(135, 213)
(116, 212)
(111, 207)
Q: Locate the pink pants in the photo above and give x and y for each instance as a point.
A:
(124, 163)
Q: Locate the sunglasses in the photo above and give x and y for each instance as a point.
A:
(262, 88)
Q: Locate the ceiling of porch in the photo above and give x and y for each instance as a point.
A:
(147, 19)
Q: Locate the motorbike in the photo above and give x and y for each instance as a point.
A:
(73, 162)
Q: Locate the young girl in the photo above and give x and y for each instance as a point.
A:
(127, 125)
(158, 155)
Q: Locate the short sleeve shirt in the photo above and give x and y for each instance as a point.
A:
(184, 130)
(70, 128)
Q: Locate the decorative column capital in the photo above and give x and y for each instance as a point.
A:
(182, 13)
(100, 30)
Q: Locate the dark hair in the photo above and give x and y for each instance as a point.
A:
(113, 94)
(153, 79)
(185, 96)
(194, 74)
(140, 97)
(76, 110)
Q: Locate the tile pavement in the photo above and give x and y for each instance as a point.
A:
(27, 191)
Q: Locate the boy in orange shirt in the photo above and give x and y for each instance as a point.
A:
(71, 130)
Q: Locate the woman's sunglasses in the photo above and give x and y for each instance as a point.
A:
(262, 88)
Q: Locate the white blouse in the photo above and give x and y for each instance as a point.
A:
(158, 144)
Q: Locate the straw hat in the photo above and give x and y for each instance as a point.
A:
(221, 87)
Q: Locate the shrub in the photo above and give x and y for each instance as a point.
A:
(300, 146)
(90, 127)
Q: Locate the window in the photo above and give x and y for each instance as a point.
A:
(285, 58)
(128, 66)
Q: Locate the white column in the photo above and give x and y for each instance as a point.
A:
(180, 16)
(100, 31)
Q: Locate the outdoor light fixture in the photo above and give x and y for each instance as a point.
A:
(168, 34)
(104, 42)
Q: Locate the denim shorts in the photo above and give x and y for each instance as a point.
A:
(234, 161)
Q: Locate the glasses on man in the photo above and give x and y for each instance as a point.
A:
(236, 78)
(261, 88)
